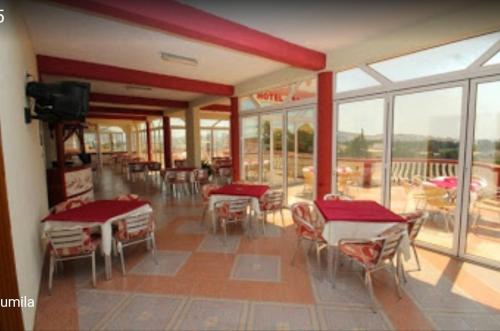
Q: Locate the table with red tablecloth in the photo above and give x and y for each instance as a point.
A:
(99, 213)
(358, 219)
(238, 191)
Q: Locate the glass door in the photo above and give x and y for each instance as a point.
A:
(300, 137)
(271, 137)
(426, 154)
(250, 148)
(481, 236)
(360, 149)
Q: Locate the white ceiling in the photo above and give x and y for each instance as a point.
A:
(64, 32)
(120, 89)
(326, 25)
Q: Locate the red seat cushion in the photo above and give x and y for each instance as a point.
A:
(366, 253)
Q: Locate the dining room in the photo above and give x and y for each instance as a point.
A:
(189, 165)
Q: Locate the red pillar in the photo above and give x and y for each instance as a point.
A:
(325, 134)
(167, 146)
(235, 138)
(148, 139)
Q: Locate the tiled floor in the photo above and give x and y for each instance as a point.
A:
(249, 283)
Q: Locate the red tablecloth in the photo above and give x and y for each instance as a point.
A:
(96, 211)
(356, 211)
(255, 191)
(451, 182)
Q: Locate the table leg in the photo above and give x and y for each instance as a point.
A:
(330, 253)
(107, 266)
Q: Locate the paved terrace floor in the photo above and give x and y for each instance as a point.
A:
(251, 284)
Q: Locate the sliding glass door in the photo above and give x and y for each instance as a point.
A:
(271, 137)
(250, 148)
(481, 236)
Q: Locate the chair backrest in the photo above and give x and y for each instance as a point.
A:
(201, 174)
(390, 240)
(304, 216)
(154, 166)
(415, 222)
(67, 205)
(225, 172)
(207, 190)
(179, 163)
(336, 196)
(181, 176)
(272, 200)
(137, 167)
(69, 241)
(132, 225)
(127, 197)
(232, 208)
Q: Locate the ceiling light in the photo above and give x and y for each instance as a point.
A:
(140, 88)
(178, 59)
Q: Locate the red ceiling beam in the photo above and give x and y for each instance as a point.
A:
(124, 111)
(217, 107)
(65, 67)
(130, 100)
(117, 117)
(187, 21)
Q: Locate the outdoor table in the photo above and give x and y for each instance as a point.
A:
(146, 163)
(359, 219)
(189, 170)
(100, 213)
(451, 182)
(237, 191)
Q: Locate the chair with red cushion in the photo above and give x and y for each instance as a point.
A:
(271, 202)
(71, 244)
(372, 255)
(308, 227)
(232, 211)
(67, 205)
(415, 222)
(336, 196)
(205, 194)
(201, 178)
(134, 230)
(127, 197)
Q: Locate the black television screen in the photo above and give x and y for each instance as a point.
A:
(60, 101)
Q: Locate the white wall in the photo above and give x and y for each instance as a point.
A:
(23, 155)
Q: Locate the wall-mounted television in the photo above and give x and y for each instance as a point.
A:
(61, 101)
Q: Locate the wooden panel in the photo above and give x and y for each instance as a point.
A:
(10, 318)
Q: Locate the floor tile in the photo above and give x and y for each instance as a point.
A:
(278, 316)
(169, 263)
(145, 312)
(205, 314)
(257, 268)
(337, 318)
(215, 243)
(191, 227)
(94, 306)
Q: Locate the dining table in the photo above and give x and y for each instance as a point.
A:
(237, 191)
(356, 219)
(98, 214)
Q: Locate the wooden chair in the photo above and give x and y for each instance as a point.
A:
(135, 230)
(71, 244)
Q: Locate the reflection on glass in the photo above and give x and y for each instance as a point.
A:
(483, 234)
(272, 149)
(360, 149)
(250, 148)
(425, 149)
(300, 146)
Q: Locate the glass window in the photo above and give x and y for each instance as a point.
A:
(204, 122)
(246, 103)
(353, 79)
(90, 140)
(222, 143)
(206, 145)
(119, 142)
(250, 148)
(222, 124)
(175, 121)
(494, 60)
(437, 60)
(360, 149)
(178, 144)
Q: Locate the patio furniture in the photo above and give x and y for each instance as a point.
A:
(271, 202)
(136, 169)
(70, 244)
(180, 163)
(238, 191)
(99, 213)
(438, 199)
(225, 174)
(154, 167)
(67, 205)
(133, 230)
(336, 196)
(206, 191)
(415, 221)
(181, 181)
(127, 197)
(308, 174)
(357, 219)
(232, 211)
(373, 254)
(201, 178)
(308, 226)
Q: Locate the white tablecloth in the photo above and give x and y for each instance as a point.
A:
(106, 229)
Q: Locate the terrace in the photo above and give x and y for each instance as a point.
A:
(309, 129)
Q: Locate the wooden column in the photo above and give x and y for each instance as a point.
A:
(148, 139)
(167, 146)
(325, 134)
(235, 138)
